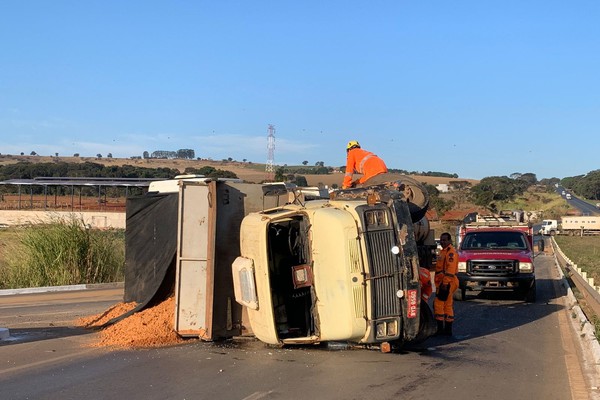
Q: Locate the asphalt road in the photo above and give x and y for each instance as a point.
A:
(584, 207)
(503, 349)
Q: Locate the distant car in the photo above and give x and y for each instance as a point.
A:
(568, 196)
(563, 193)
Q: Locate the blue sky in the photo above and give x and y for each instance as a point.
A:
(477, 88)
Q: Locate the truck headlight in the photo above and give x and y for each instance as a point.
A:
(462, 266)
(525, 267)
(386, 329)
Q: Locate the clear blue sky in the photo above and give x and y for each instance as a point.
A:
(477, 88)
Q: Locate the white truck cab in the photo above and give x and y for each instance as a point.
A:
(549, 227)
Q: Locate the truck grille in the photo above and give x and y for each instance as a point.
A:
(493, 267)
(385, 273)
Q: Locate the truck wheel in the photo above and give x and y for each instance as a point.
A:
(530, 296)
(417, 196)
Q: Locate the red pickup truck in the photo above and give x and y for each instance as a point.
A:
(496, 254)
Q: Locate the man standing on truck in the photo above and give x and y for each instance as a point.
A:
(446, 283)
(362, 162)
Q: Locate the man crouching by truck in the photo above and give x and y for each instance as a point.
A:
(446, 283)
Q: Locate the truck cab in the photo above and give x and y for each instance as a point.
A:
(549, 227)
(496, 256)
(344, 269)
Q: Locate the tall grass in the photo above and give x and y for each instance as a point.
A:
(63, 252)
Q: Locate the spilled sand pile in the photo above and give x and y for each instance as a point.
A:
(152, 327)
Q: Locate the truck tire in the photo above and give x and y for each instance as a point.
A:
(417, 197)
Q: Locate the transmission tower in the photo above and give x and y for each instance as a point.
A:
(270, 174)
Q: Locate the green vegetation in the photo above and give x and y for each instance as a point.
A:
(61, 253)
(552, 205)
(583, 251)
(586, 186)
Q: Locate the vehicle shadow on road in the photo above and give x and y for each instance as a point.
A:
(487, 313)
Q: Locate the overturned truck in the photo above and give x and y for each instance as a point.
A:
(343, 269)
(305, 271)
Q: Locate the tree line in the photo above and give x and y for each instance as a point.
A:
(586, 186)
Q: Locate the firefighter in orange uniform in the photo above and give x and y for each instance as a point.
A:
(446, 283)
(362, 162)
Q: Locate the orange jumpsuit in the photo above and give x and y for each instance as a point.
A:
(362, 162)
(446, 268)
(426, 287)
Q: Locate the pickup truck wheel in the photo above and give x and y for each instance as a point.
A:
(530, 296)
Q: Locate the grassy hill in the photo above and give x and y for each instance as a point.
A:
(250, 172)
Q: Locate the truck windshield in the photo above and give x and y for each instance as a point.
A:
(494, 240)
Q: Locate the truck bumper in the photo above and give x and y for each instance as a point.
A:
(521, 282)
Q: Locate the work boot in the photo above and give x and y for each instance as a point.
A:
(448, 329)
(440, 328)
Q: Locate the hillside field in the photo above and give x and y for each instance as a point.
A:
(249, 172)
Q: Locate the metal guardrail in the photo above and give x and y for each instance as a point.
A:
(589, 291)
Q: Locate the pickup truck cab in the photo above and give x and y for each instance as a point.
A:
(497, 258)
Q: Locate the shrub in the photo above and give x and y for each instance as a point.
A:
(64, 252)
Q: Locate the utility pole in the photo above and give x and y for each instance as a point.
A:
(270, 173)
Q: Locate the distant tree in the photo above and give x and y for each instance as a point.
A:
(146, 154)
(56, 154)
(33, 153)
(76, 155)
(319, 164)
(164, 154)
(230, 159)
(98, 155)
(109, 155)
(435, 201)
(22, 153)
(495, 188)
(188, 154)
(300, 180)
(304, 162)
(280, 174)
(244, 160)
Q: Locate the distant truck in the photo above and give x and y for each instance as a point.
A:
(568, 196)
(496, 254)
(549, 227)
(580, 225)
(339, 270)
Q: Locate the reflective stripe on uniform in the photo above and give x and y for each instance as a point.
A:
(362, 163)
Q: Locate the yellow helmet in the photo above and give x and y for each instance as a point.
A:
(352, 144)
